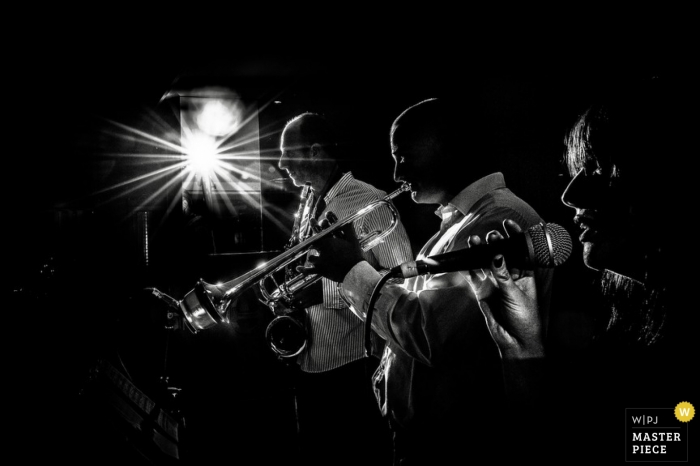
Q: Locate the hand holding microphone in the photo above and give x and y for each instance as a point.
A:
(543, 245)
(501, 273)
(508, 300)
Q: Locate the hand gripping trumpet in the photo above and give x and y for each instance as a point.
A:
(207, 304)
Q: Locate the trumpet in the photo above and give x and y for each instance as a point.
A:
(206, 305)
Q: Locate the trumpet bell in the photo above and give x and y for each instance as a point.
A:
(199, 310)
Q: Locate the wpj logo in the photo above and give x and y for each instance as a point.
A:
(656, 434)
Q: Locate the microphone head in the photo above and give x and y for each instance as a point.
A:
(551, 244)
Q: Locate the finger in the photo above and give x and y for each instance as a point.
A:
(511, 227)
(474, 240)
(316, 226)
(493, 235)
(506, 283)
(500, 271)
(308, 269)
(331, 217)
(476, 275)
(506, 278)
(515, 273)
(313, 257)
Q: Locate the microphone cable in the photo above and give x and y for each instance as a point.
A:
(370, 309)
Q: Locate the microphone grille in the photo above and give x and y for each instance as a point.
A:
(551, 244)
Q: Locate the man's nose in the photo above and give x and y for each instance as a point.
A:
(398, 176)
(282, 162)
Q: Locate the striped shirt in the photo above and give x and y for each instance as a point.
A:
(335, 333)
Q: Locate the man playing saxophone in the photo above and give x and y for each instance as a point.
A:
(335, 397)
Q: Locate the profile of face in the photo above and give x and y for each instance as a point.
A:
(418, 163)
(604, 213)
(296, 158)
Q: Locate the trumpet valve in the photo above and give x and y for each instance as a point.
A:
(371, 240)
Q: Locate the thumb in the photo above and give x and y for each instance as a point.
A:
(500, 269)
(506, 284)
(500, 272)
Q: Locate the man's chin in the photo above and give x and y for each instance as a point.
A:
(417, 198)
(421, 198)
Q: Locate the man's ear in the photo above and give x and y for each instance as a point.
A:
(315, 149)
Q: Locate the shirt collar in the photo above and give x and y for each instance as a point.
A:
(338, 187)
(465, 200)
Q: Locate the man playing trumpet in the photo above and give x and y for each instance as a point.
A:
(439, 382)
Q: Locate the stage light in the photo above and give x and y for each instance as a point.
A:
(202, 152)
(219, 117)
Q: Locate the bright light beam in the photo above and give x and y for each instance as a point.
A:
(145, 181)
(200, 154)
(202, 151)
(160, 142)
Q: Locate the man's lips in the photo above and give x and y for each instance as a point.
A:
(412, 186)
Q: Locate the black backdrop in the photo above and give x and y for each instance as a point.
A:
(76, 282)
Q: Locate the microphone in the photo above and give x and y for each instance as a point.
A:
(543, 245)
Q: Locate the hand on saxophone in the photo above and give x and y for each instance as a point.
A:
(334, 255)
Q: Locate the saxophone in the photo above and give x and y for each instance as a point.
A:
(287, 333)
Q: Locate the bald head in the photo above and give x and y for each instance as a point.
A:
(308, 129)
(438, 148)
(308, 150)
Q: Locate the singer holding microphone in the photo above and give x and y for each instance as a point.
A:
(642, 346)
(439, 381)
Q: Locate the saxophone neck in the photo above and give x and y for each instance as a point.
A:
(304, 198)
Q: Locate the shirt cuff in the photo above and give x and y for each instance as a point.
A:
(358, 285)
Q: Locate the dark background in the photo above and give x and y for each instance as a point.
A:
(75, 278)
